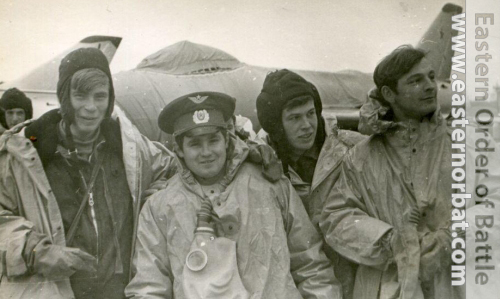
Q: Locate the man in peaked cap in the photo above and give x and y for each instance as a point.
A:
(279, 253)
(70, 198)
(289, 110)
(15, 107)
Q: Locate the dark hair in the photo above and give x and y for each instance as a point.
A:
(395, 65)
(179, 139)
(297, 102)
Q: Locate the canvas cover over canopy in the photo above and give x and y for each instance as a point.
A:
(187, 67)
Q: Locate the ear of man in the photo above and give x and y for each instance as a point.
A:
(178, 150)
(388, 94)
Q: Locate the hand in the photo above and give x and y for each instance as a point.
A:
(155, 187)
(414, 216)
(264, 154)
(57, 261)
(388, 240)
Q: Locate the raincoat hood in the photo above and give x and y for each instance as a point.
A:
(377, 118)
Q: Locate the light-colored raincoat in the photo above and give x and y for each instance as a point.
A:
(402, 166)
(28, 204)
(313, 195)
(279, 252)
(326, 173)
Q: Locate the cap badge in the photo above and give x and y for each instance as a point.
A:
(201, 117)
(198, 99)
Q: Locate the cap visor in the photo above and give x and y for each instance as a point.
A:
(202, 131)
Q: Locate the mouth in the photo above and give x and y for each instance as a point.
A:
(207, 162)
(88, 118)
(431, 98)
(306, 136)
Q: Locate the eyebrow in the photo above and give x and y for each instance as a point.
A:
(420, 75)
(414, 76)
(293, 115)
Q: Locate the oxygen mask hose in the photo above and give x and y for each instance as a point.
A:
(197, 258)
(205, 218)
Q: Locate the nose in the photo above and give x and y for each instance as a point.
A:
(305, 123)
(205, 150)
(430, 85)
(16, 117)
(90, 104)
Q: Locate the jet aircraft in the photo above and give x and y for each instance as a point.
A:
(186, 67)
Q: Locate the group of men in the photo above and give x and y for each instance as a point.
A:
(338, 215)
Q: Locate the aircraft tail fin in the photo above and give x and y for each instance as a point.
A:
(437, 41)
(44, 78)
(107, 44)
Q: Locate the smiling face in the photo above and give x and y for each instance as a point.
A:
(300, 124)
(14, 116)
(90, 109)
(416, 93)
(205, 156)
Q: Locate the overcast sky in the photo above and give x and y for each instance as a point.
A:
(321, 35)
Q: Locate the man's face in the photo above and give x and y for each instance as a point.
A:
(417, 90)
(300, 124)
(205, 156)
(14, 116)
(90, 108)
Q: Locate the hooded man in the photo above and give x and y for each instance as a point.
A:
(275, 251)
(15, 107)
(390, 211)
(289, 110)
(70, 197)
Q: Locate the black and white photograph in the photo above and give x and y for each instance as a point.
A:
(250, 149)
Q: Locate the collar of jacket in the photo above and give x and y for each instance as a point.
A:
(236, 155)
(43, 133)
(376, 118)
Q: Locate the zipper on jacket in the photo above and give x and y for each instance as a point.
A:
(91, 200)
(94, 221)
(92, 214)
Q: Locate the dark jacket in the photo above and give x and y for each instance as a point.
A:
(69, 177)
(25, 183)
